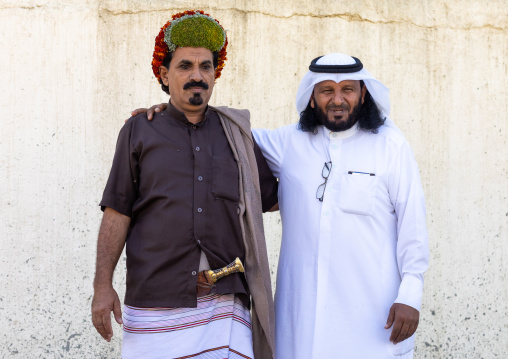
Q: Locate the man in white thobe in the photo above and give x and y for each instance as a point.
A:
(354, 244)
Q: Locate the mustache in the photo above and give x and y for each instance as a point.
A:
(201, 84)
(342, 107)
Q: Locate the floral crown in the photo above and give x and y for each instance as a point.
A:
(194, 29)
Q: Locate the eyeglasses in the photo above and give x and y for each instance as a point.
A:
(320, 193)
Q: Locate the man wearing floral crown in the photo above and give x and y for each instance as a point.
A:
(185, 197)
(354, 241)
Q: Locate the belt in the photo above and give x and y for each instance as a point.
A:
(206, 279)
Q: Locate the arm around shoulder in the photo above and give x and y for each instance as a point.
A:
(272, 144)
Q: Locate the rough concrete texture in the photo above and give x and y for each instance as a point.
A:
(72, 71)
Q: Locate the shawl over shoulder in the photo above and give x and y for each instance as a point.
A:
(236, 124)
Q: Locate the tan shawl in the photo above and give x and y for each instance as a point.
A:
(236, 124)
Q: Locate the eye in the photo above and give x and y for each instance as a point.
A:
(184, 66)
(206, 67)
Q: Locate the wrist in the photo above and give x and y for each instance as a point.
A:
(102, 284)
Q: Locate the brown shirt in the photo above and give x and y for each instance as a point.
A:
(179, 184)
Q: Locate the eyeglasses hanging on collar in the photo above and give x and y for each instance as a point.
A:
(327, 169)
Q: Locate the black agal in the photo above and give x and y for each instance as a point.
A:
(314, 67)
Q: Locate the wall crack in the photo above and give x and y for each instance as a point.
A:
(352, 17)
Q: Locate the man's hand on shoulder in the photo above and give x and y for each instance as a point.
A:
(150, 111)
(105, 301)
(404, 320)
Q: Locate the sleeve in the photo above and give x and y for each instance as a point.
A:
(271, 144)
(121, 189)
(267, 181)
(406, 195)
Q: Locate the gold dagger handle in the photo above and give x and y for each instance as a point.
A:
(234, 267)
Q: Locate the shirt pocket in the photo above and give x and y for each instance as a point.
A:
(358, 193)
(402, 348)
(225, 179)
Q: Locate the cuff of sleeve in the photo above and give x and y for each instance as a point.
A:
(411, 291)
(119, 206)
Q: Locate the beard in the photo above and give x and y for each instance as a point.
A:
(196, 100)
(340, 123)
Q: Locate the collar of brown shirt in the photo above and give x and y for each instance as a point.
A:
(173, 112)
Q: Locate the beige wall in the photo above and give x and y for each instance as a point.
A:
(70, 71)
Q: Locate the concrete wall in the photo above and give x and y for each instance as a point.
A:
(70, 72)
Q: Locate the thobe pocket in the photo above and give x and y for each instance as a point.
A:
(225, 179)
(358, 194)
(401, 348)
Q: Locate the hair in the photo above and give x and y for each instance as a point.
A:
(369, 116)
(169, 57)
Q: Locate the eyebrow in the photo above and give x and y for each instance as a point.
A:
(188, 62)
(350, 84)
(185, 62)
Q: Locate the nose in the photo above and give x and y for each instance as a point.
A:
(338, 99)
(196, 75)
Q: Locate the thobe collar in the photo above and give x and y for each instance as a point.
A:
(341, 135)
(180, 116)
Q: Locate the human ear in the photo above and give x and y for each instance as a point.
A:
(163, 71)
(364, 91)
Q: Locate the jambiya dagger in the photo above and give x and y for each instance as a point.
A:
(213, 276)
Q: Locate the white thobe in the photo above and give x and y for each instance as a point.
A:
(345, 261)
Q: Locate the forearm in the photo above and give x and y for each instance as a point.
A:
(112, 234)
(412, 252)
(406, 194)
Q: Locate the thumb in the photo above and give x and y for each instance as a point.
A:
(117, 311)
(391, 318)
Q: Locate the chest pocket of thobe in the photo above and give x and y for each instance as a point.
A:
(225, 178)
(358, 194)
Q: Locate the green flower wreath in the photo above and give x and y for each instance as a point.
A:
(195, 31)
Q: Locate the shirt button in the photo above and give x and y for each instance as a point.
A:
(200, 178)
(200, 210)
(198, 149)
(194, 127)
(193, 272)
(334, 134)
(199, 241)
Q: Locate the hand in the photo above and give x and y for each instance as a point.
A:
(404, 320)
(274, 208)
(104, 301)
(149, 112)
